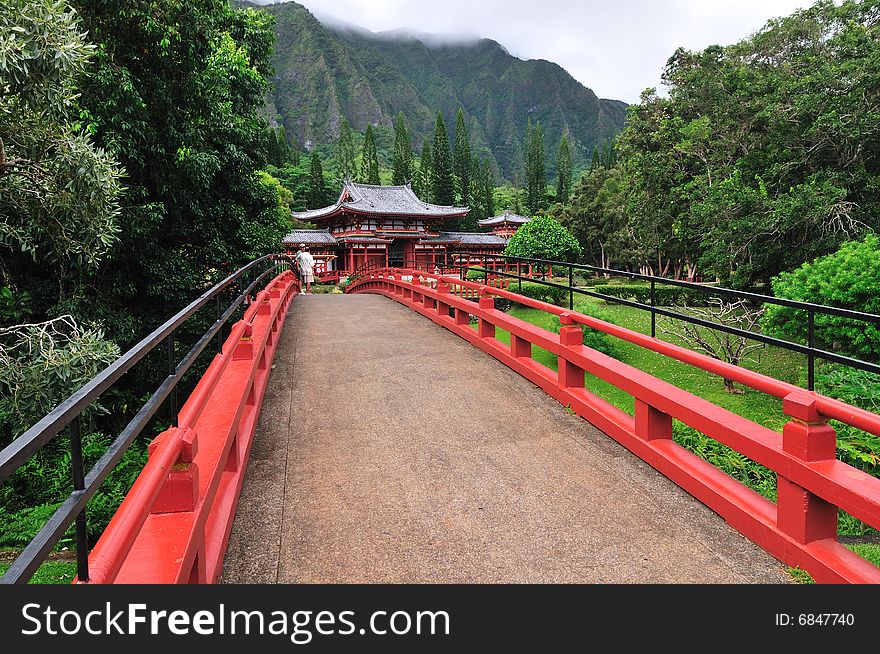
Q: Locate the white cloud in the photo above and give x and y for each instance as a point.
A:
(616, 47)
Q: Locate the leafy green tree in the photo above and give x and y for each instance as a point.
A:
(563, 170)
(764, 154)
(462, 163)
(369, 159)
(444, 187)
(59, 192)
(596, 216)
(402, 161)
(176, 92)
(345, 153)
(423, 185)
(317, 197)
(848, 279)
(543, 238)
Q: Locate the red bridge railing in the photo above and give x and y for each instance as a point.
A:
(173, 525)
(800, 528)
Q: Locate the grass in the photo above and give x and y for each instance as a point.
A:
(868, 551)
(50, 572)
(751, 404)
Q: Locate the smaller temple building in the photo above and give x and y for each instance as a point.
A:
(504, 225)
(391, 226)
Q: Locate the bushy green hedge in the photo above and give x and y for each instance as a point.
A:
(848, 279)
(862, 389)
(665, 296)
(592, 337)
(475, 273)
(536, 291)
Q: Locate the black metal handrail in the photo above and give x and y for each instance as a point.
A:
(810, 350)
(68, 412)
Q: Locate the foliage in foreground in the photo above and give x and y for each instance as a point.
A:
(848, 279)
(58, 192)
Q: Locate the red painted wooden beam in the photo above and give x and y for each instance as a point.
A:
(173, 525)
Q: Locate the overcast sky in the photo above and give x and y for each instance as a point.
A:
(616, 47)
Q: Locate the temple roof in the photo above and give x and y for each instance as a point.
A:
(506, 217)
(309, 237)
(381, 201)
(466, 238)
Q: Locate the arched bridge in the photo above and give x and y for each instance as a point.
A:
(388, 435)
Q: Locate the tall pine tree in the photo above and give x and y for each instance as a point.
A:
(317, 196)
(346, 167)
(444, 187)
(536, 172)
(402, 159)
(563, 170)
(487, 181)
(462, 159)
(424, 182)
(369, 159)
(528, 160)
(478, 202)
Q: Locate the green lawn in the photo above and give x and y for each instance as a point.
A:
(51, 572)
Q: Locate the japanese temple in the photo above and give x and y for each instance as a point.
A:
(390, 225)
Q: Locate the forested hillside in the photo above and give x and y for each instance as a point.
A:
(324, 74)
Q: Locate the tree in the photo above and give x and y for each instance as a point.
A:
(59, 193)
(317, 184)
(536, 170)
(176, 92)
(345, 153)
(539, 194)
(444, 188)
(848, 279)
(424, 182)
(462, 163)
(764, 153)
(402, 171)
(563, 170)
(369, 159)
(528, 160)
(487, 181)
(543, 238)
(719, 345)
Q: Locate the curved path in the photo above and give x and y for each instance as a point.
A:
(390, 450)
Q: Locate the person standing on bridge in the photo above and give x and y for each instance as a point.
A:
(306, 264)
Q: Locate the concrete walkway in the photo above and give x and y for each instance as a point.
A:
(390, 450)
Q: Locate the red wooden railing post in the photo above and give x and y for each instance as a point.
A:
(570, 335)
(244, 349)
(520, 347)
(486, 329)
(652, 424)
(803, 516)
(442, 307)
(180, 492)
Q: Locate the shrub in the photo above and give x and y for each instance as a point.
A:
(862, 389)
(848, 279)
(543, 238)
(542, 292)
(665, 296)
(475, 273)
(593, 337)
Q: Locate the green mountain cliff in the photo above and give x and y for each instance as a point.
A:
(325, 72)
